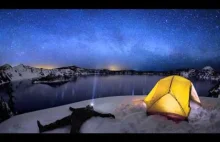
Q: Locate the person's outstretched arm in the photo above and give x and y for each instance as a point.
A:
(71, 109)
(95, 113)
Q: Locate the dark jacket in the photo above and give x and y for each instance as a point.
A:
(76, 119)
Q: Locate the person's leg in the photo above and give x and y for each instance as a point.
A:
(59, 123)
(75, 126)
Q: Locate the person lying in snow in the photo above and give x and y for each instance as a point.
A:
(76, 119)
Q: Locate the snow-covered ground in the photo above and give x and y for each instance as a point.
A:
(130, 118)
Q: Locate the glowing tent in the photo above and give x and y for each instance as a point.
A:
(171, 97)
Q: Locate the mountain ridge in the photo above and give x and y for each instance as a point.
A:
(21, 72)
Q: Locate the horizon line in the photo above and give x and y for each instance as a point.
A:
(51, 67)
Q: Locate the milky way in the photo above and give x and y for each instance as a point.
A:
(128, 39)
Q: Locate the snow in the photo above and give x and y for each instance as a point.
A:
(207, 73)
(188, 74)
(215, 90)
(208, 68)
(184, 74)
(3, 78)
(5, 67)
(50, 82)
(130, 118)
(22, 72)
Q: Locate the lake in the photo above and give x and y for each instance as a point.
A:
(31, 97)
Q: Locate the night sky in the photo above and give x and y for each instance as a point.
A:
(113, 39)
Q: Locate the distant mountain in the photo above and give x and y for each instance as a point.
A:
(21, 72)
(65, 74)
(207, 73)
(208, 68)
(5, 67)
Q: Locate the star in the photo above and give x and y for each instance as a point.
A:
(90, 38)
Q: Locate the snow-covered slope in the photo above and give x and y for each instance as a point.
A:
(215, 91)
(3, 78)
(208, 68)
(5, 67)
(207, 73)
(130, 118)
(5, 111)
(22, 72)
(189, 73)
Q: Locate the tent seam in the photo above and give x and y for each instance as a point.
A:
(157, 100)
(178, 103)
(164, 94)
(171, 82)
(170, 92)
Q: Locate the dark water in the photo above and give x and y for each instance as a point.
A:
(29, 97)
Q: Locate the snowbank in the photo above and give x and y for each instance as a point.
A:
(130, 118)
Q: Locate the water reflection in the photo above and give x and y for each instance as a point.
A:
(30, 97)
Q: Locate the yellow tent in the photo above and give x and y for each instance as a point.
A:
(171, 97)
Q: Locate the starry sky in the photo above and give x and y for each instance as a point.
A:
(140, 39)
